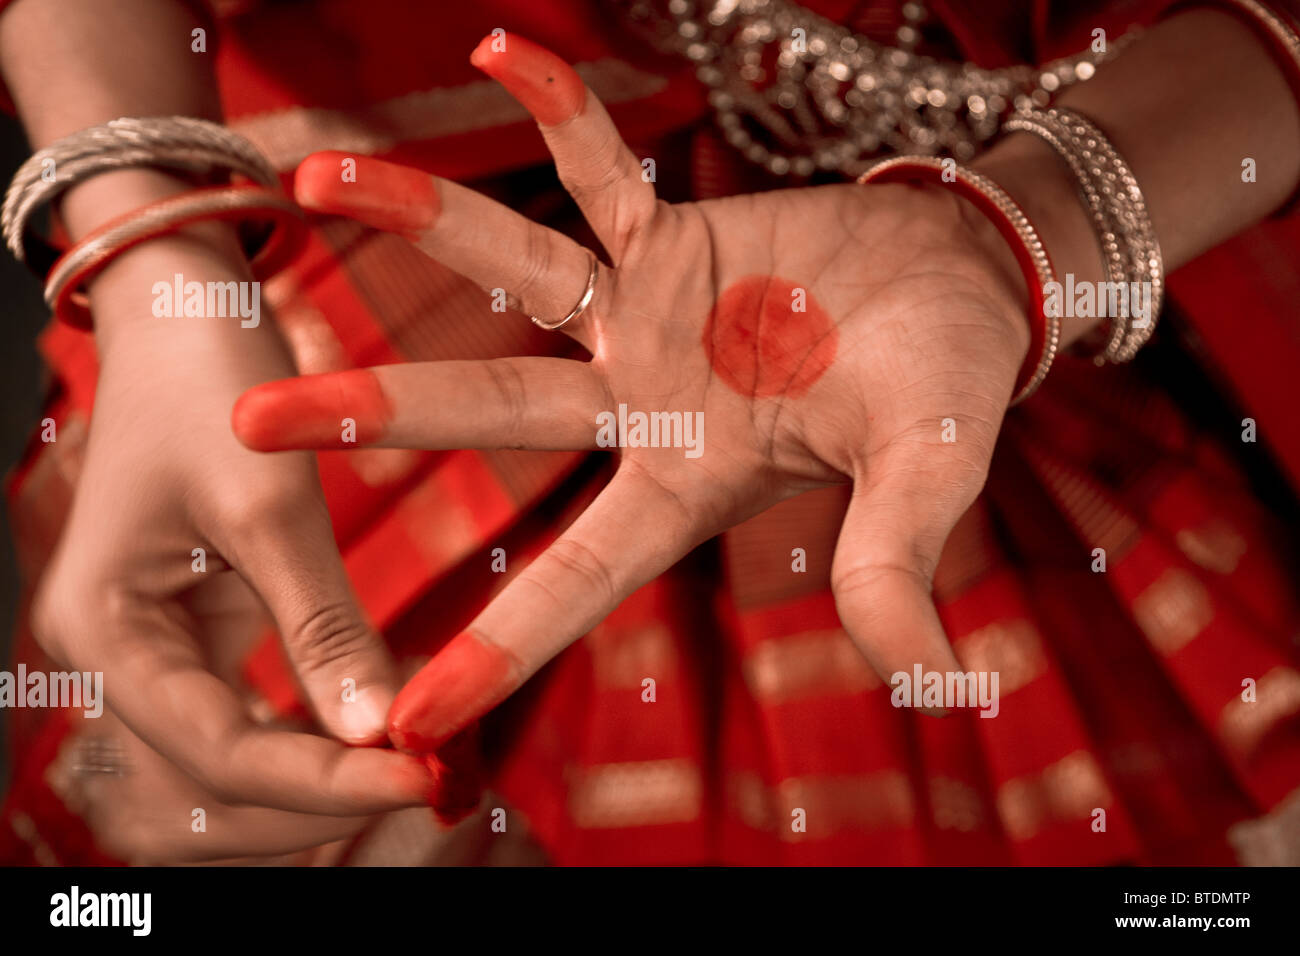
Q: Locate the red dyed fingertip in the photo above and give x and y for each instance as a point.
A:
(464, 680)
(417, 778)
(383, 195)
(335, 410)
(544, 84)
(458, 777)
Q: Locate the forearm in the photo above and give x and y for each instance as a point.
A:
(1185, 104)
(72, 64)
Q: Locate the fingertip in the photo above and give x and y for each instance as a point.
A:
(482, 54)
(311, 180)
(406, 738)
(334, 410)
(458, 777)
(383, 195)
(415, 778)
(363, 721)
(248, 419)
(544, 84)
(462, 682)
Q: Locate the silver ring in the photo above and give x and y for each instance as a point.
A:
(587, 295)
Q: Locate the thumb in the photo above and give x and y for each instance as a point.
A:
(345, 669)
(882, 575)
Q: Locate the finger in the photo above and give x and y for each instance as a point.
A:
(542, 272)
(881, 577)
(146, 816)
(633, 531)
(346, 671)
(597, 168)
(157, 683)
(458, 769)
(239, 832)
(527, 402)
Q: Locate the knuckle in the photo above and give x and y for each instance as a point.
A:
(535, 266)
(253, 514)
(586, 568)
(861, 579)
(219, 783)
(511, 398)
(70, 607)
(328, 635)
(227, 793)
(605, 172)
(49, 616)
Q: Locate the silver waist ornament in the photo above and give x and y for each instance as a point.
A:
(796, 93)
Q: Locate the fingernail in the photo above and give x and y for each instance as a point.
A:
(335, 410)
(544, 84)
(364, 720)
(464, 680)
(383, 195)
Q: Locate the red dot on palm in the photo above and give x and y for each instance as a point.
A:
(768, 336)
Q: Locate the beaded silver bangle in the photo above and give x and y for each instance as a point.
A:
(1112, 257)
(1110, 192)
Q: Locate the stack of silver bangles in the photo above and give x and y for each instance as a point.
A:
(180, 143)
(267, 220)
(1113, 199)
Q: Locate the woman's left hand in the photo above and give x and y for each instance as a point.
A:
(808, 337)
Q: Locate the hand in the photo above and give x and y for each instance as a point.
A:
(163, 476)
(824, 335)
(145, 815)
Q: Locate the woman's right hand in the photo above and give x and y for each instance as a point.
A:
(163, 476)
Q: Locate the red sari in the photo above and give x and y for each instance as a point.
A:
(1121, 691)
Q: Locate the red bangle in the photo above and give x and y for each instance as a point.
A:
(268, 252)
(1020, 235)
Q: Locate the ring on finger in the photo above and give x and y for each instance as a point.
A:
(587, 295)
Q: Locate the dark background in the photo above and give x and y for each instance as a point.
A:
(22, 377)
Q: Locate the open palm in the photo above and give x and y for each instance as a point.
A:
(788, 340)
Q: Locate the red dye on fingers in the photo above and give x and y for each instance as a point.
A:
(463, 681)
(309, 412)
(458, 775)
(418, 778)
(760, 346)
(383, 195)
(544, 84)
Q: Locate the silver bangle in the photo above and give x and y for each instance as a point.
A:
(172, 142)
(1130, 249)
(1112, 257)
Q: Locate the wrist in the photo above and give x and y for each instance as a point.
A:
(998, 253)
(978, 202)
(123, 296)
(1045, 189)
(122, 293)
